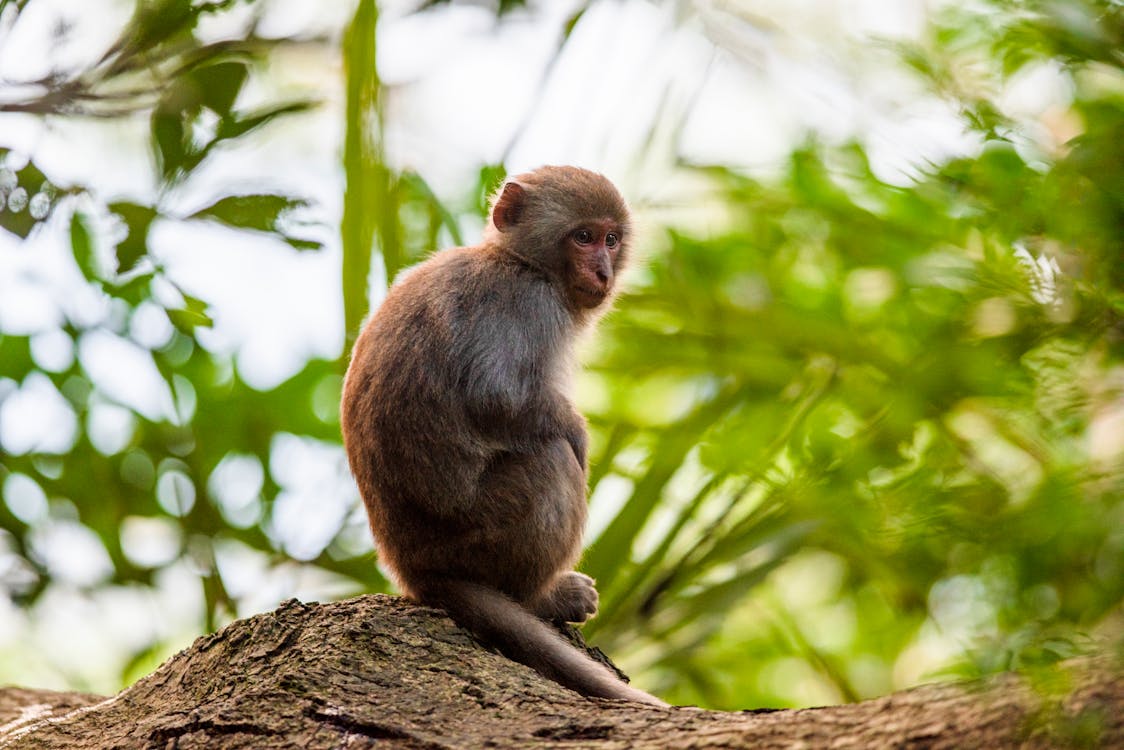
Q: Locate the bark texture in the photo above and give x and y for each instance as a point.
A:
(380, 672)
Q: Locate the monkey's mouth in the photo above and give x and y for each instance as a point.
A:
(590, 297)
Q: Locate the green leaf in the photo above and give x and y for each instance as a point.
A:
(572, 21)
(208, 87)
(264, 212)
(607, 557)
(191, 316)
(720, 597)
(15, 356)
(488, 181)
(134, 288)
(219, 84)
(209, 84)
(153, 24)
(256, 211)
(414, 187)
(236, 126)
(137, 219)
(170, 139)
(17, 4)
(82, 246)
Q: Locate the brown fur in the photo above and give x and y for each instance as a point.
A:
(467, 451)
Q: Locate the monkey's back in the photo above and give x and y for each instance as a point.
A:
(405, 434)
(418, 456)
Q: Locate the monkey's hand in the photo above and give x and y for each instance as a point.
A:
(578, 442)
(575, 433)
(572, 598)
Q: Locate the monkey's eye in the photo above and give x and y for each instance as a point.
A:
(583, 236)
(612, 240)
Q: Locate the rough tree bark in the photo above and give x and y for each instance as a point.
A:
(381, 672)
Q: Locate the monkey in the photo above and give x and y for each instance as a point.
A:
(468, 454)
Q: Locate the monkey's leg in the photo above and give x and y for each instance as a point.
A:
(499, 620)
(528, 532)
(571, 597)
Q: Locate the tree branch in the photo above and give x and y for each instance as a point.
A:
(377, 671)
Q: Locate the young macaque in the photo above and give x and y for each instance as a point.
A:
(469, 456)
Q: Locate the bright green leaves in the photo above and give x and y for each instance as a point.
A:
(15, 356)
(192, 315)
(125, 282)
(262, 212)
(214, 86)
(903, 408)
(82, 245)
(134, 246)
(17, 5)
(395, 215)
(180, 131)
(839, 379)
(190, 90)
(196, 113)
(155, 24)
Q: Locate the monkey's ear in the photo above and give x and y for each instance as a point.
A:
(509, 206)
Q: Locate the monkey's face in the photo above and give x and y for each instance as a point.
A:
(569, 223)
(593, 253)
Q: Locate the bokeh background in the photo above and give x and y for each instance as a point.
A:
(858, 419)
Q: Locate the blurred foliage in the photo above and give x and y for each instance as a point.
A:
(190, 90)
(857, 424)
(502, 7)
(918, 388)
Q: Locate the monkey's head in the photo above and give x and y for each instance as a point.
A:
(570, 223)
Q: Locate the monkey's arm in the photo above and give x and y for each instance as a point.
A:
(506, 407)
(507, 354)
(495, 375)
(575, 433)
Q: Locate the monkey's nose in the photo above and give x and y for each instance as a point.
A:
(602, 276)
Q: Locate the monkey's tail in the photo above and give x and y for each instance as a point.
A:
(529, 640)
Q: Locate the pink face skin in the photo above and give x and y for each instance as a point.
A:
(594, 247)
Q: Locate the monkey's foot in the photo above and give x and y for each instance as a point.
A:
(573, 598)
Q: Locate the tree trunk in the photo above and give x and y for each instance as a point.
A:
(376, 671)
